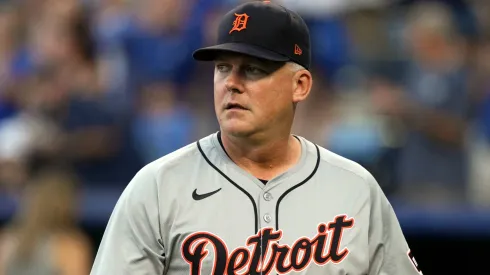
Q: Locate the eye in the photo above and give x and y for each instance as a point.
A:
(222, 67)
(254, 70)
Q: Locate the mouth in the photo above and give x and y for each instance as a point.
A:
(234, 106)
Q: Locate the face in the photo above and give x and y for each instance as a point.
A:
(253, 96)
(423, 43)
(51, 41)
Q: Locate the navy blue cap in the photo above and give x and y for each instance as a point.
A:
(262, 29)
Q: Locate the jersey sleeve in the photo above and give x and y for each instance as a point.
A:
(132, 243)
(389, 252)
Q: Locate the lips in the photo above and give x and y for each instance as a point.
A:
(234, 106)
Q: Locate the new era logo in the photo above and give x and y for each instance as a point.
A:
(297, 50)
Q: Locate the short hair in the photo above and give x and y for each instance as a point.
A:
(295, 67)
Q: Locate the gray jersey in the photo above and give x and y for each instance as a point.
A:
(195, 211)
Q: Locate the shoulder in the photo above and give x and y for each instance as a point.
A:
(158, 173)
(177, 158)
(181, 159)
(174, 163)
(350, 171)
(352, 174)
(151, 173)
(341, 163)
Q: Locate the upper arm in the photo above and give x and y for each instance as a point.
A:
(3, 252)
(73, 254)
(389, 252)
(132, 243)
(7, 242)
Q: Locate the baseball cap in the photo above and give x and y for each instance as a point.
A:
(264, 30)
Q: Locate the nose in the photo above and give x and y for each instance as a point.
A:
(233, 82)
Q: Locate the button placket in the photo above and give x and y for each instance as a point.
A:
(268, 196)
(267, 218)
(267, 208)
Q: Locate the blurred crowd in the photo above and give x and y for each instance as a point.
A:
(91, 90)
(109, 85)
(106, 86)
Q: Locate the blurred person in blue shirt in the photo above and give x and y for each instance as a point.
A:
(432, 105)
(162, 124)
(482, 89)
(154, 39)
(61, 50)
(97, 138)
(485, 117)
(10, 58)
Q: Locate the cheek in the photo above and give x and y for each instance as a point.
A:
(272, 101)
(219, 93)
(278, 92)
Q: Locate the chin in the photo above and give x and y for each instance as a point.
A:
(236, 128)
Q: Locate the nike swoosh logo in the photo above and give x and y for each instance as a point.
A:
(199, 197)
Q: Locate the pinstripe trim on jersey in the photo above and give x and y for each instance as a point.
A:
(297, 185)
(235, 184)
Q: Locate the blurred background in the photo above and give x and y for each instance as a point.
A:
(92, 90)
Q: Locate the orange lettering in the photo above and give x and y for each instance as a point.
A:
(240, 22)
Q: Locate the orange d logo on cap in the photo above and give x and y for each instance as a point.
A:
(240, 22)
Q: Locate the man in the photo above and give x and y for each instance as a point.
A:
(431, 105)
(252, 198)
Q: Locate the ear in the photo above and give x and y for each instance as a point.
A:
(302, 83)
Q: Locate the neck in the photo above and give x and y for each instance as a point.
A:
(263, 157)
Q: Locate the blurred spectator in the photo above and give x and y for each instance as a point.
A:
(326, 8)
(356, 132)
(479, 151)
(156, 41)
(109, 85)
(32, 130)
(433, 106)
(9, 43)
(162, 123)
(484, 119)
(43, 237)
(66, 96)
(93, 136)
(110, 19)
(482, 99)
(479, 145)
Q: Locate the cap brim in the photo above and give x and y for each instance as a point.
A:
(210, 53)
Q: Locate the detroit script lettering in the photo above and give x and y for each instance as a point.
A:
(266, 252)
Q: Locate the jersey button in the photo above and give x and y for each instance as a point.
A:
(267, 196)
(267, 218)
